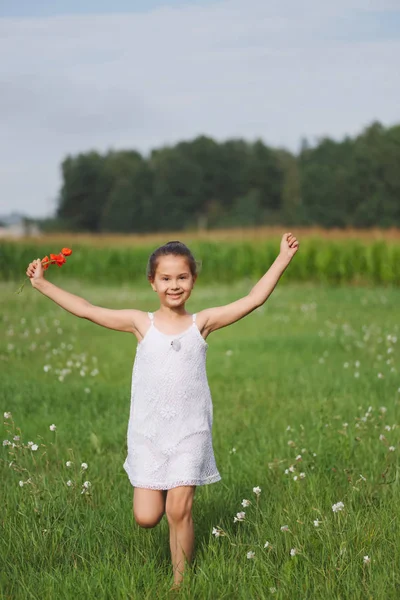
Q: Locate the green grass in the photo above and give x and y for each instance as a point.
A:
(280, 367)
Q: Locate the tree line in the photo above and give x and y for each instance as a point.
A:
(205, 184)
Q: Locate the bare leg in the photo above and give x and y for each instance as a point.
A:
(179, 515)
(182, 545)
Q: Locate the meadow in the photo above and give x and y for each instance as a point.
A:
(306, 394)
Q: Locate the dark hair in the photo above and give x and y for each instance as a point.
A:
(176, 249)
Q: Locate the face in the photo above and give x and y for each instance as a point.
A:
(173, 280)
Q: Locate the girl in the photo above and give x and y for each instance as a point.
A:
(169, 440)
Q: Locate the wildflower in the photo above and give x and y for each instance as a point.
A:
(392, 448)
(257, 490)
(383, 409)
(366, 560)
(217, 532)
(302, 475)
(34, 447)
(251, 554)
(46, 368)
(239, 516)
(7, 415)
(316, 523)
(388, 428)
(286, 471)
(293, 552)
(30, 444)
(52, 427)
(266, 545)
(362, 477)
(295, 478)
(16, 438)
(6, 443)
(337, 507)
(382, 437)
(69, 483)
(55, 259)
(285, 528)
(21, 483)
(246, 502)
(291, 468)
(84, 466)
(272, 590)
(298, 457)
(68, 463)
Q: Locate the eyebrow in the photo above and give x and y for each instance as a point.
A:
(167, 275)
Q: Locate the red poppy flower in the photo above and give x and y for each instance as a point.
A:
(55, 259)
(45, 262)
(58, 259)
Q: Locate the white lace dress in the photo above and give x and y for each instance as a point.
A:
(170, 423)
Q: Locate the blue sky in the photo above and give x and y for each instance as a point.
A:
(51, 8)
(83, 75)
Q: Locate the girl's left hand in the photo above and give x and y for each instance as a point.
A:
(289, 246)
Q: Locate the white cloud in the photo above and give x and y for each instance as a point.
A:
(234, 68)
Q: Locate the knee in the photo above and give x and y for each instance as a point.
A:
(177, 514)
(147, 521)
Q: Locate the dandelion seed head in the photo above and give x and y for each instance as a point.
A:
(338, 506)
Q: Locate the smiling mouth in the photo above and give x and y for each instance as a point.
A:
(174, 295)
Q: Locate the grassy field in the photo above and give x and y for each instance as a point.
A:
(306, 395)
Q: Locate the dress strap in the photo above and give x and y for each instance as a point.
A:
(194, 317)
(151, 317)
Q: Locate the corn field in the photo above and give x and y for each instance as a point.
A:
(336, 261)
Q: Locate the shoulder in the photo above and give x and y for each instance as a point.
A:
(141, 323)
(202, 322)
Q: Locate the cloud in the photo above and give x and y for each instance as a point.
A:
(234, 68)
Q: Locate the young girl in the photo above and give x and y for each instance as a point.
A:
(169, 440)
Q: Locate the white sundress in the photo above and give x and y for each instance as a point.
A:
(169, 435)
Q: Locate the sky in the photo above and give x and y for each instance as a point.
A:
(83, 75)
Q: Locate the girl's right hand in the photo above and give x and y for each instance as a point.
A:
(35, 271)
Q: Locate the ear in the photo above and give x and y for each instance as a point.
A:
(152, 285)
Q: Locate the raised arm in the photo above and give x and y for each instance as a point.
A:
(121, 320)
(221, 316)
